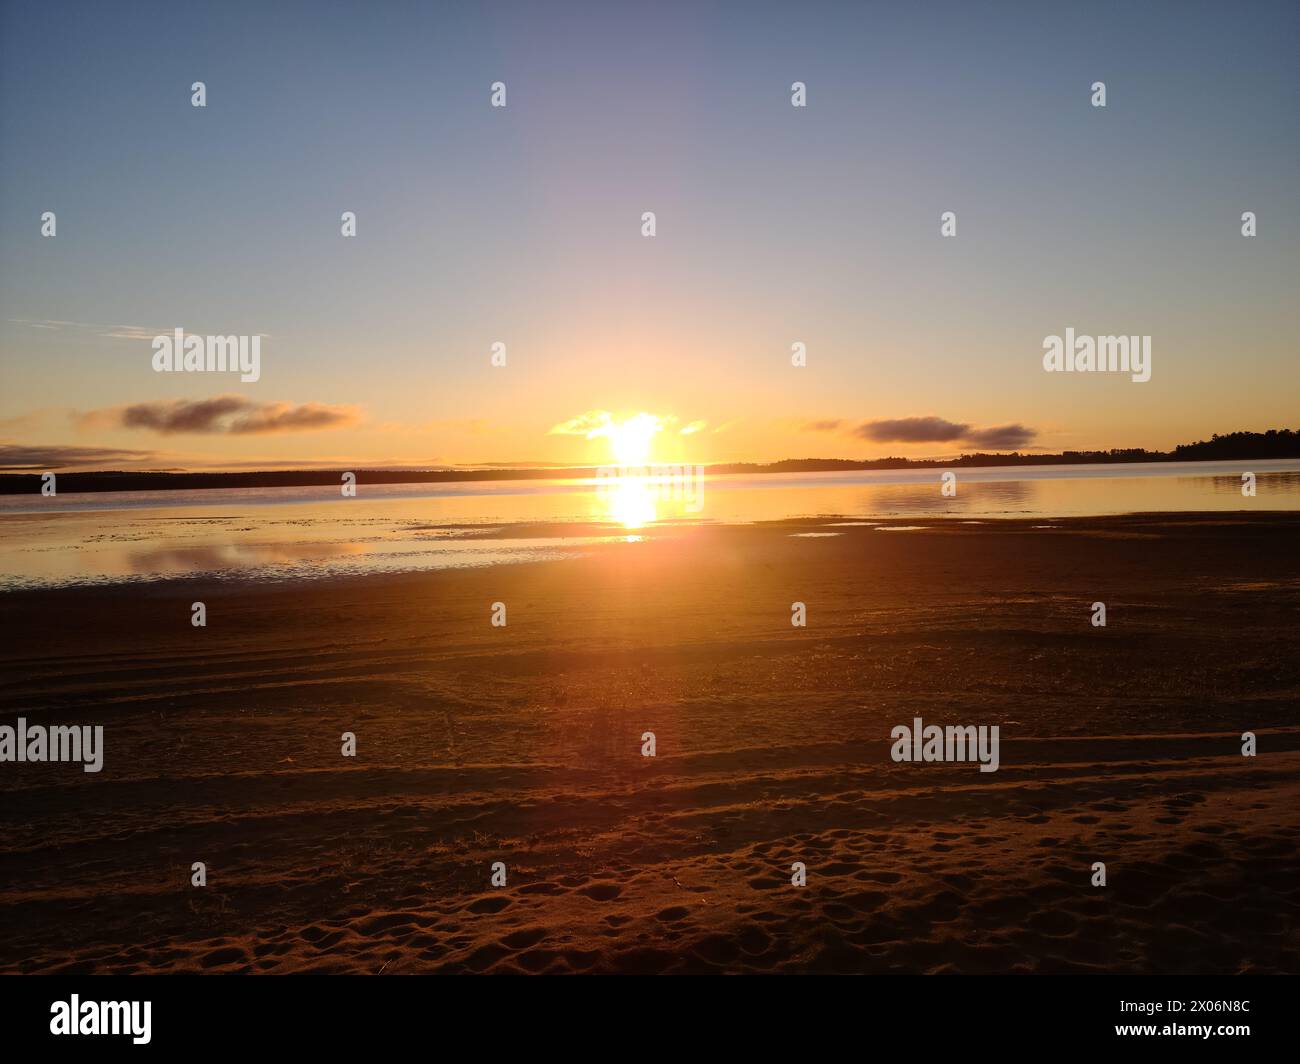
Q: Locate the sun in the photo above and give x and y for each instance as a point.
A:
(630, 438)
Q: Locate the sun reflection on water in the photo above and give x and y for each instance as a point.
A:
(630, 502)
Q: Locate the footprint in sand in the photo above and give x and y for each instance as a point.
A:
(1055, 923)
(488, 905)
(866, 899)
(581, 959)
(524, 938)
(537, 960)
(541, 888)
(384, 922)
(754, 942)
(329, 941)
(644, 961)
(219, 957)
(837, 911)
(602, 891)
(485, 956)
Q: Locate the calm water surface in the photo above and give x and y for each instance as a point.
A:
(287, 533)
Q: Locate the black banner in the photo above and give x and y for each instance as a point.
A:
(1237, 1016)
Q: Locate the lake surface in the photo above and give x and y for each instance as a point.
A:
(288, 533)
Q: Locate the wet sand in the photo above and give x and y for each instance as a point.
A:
(522, 745)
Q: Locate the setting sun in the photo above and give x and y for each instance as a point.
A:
(630, 438)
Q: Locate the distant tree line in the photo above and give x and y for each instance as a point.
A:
(1275, 443)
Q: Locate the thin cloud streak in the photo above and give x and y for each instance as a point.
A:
(15, 456)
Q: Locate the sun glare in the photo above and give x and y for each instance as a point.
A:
(630, 438)
(631, 503)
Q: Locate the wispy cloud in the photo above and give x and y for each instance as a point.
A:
(112, 332)
(595, 423)
(134, 332)
(115, 332)
(15, 456)
(591, 423)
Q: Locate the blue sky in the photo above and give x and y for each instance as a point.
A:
(521, 224)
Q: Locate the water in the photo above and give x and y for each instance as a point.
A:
(285, 533)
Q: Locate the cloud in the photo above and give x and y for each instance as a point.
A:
(587, 424)
(144, 333)
(911, 430)
(694, 427)
(933, 429)
(1001, 437)
(134, 332)
(115, 332)
(828, 425)
(594, 423)
(56, 456)
(230, 415)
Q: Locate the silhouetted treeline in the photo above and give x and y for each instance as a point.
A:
(1275, 443)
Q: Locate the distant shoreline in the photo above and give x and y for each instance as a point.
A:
(1245, 446)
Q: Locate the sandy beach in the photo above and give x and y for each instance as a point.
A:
(523, 745)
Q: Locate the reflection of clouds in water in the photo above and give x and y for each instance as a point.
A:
(921, 498)
(1265, 483)
(225, 556)
(271, 561)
